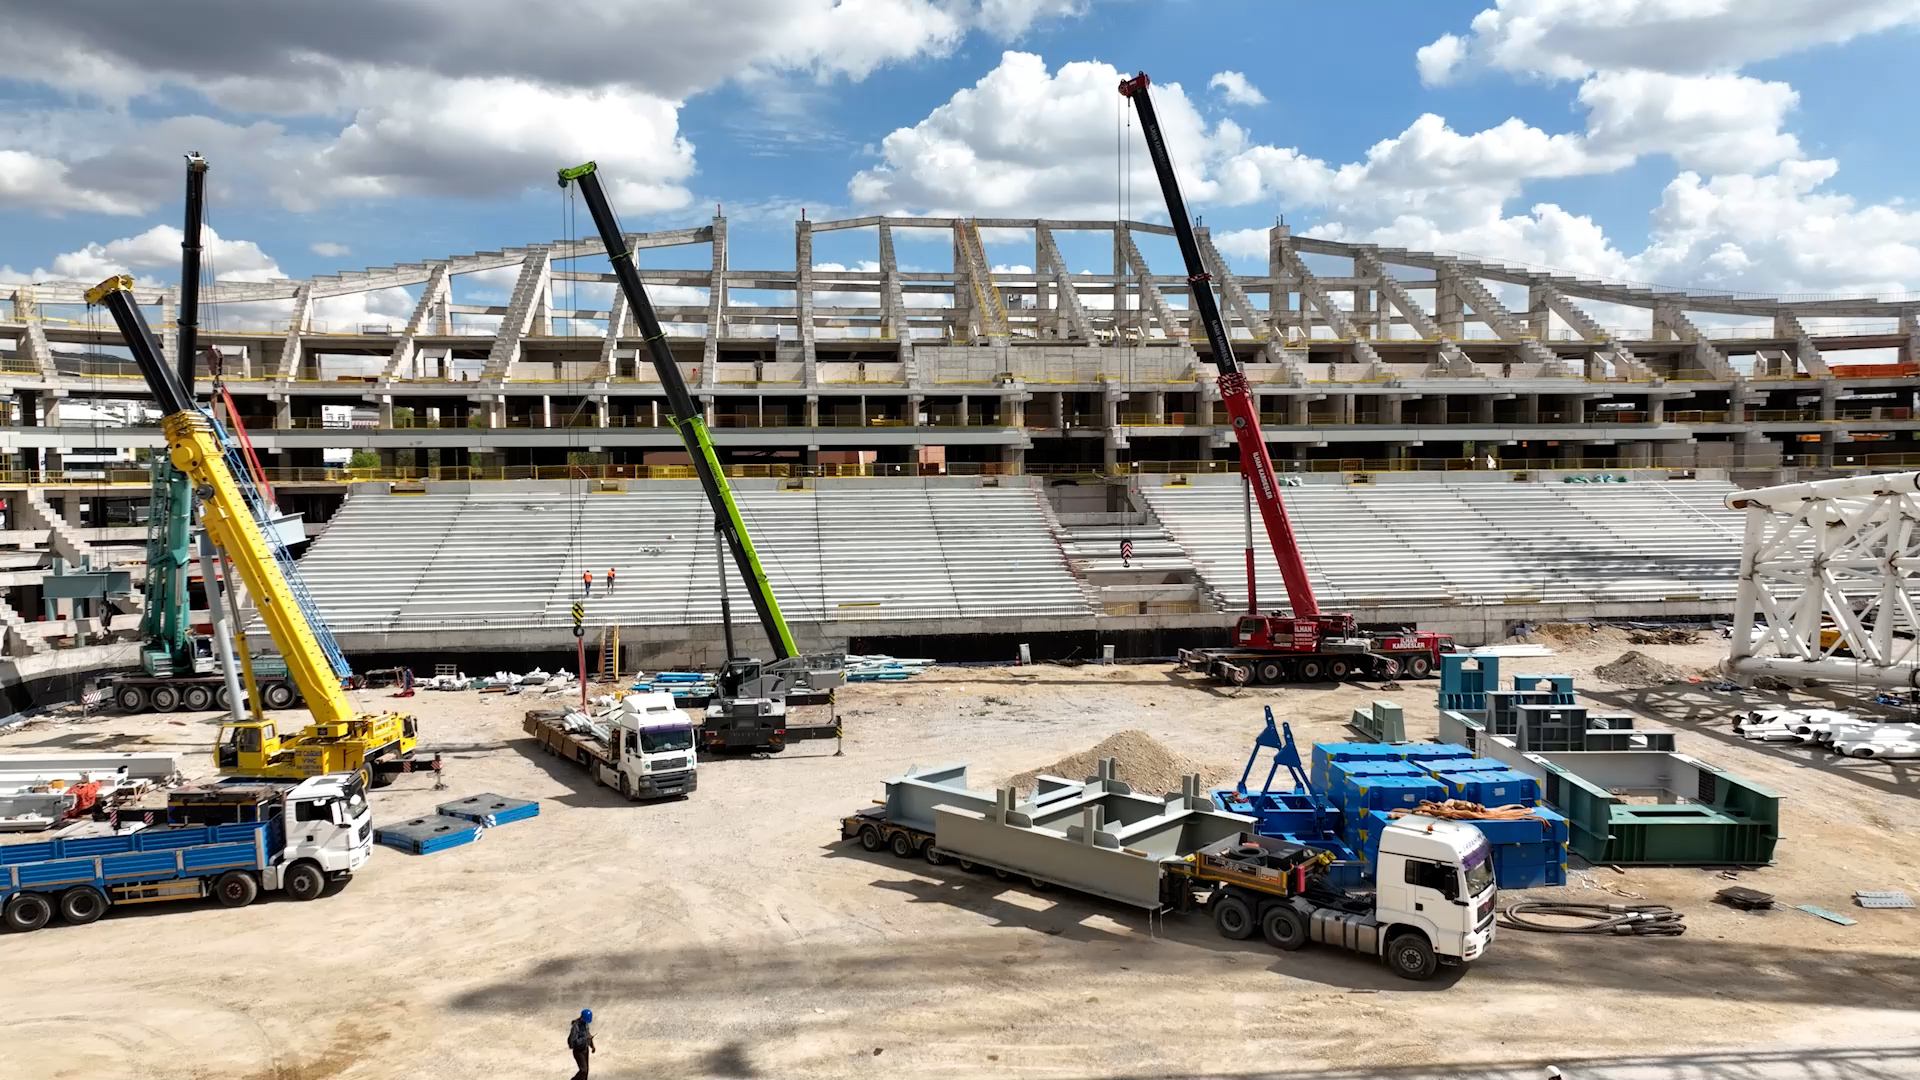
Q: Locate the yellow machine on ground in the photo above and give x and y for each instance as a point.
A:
(340, 739)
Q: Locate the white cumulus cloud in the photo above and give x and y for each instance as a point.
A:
(1235, 89)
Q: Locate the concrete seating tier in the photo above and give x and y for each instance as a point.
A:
(1436, 543)
(505, 559)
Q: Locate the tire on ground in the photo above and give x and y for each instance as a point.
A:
(1310, 671)
(1419, 667)
(1411, 956)
(1283, 927)
(164, 698)
(197, 698)
(27, 911)
(235, 888)
(1232, 918)
(131, 699)
(870, 838)
(278, 695)
(305, 881)
(903, 846)
(82, 904)
(1269, 672)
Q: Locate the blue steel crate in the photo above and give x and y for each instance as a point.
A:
(489, 809)
(1432, 751)
(1530, 877)
(1453, 765)
(1327, 754)
(1493, 787)
(1364, 833)
(1340, 773)
(1534, 854)
(1389, 792)
(426, 835)
(1549, 827)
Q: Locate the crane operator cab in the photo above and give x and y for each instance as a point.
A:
(249, 744)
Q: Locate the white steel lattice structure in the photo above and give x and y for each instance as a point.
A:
(1827, 574)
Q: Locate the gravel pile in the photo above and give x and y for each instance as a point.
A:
(1637, 669)
(1139, 759)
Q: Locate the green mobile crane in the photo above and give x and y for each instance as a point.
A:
(749, 708)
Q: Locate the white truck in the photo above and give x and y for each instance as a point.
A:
(228, 841)
(643, 747)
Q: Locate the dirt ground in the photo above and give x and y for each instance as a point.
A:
(732, 934)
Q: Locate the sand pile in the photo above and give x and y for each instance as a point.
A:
(1139, 759)
(1638, 669)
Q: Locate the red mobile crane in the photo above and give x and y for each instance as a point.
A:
(1306, 643)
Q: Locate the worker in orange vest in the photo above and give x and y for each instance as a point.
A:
(609, 581)
(586, 583)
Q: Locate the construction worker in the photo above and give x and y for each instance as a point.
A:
(609, 581)
(580, 1041)
(586, 583)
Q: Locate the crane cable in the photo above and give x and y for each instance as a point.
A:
(1620, 920)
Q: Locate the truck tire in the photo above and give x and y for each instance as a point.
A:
(933, 855)
(82, 904)
(1338, 670)
(1283, 927)
(1310, 671)
(903, 846)
(870, 838)
(131, 699)
(967, 866)
(235, 888)
(1412, 957)
(164, 698)
(305, 881)
(1270, 672)
(1419, 667)
(1232, 918)
(278, 695)
(221, 699)
(1039, 884)
(626, 787)
(197, 698)
(28, 911)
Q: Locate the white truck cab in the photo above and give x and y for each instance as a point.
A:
(329, 826)
(655, 755)
(1435, 877)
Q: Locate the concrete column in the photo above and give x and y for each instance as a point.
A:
(1059, 409)
(600, 409)
(546, 410)
(1539, 315)
(282, 411)
(1120, 317)
(803, 298)
(1529, 406)
(1656, 410)
(1910, 326)
(1014, 457)
(813, 410)
(1391, 408)
(497, 412)
(1157, 406)
(384, 403)
(915, 403)
(1013, 410)
(1737, 401)
(1447, 309)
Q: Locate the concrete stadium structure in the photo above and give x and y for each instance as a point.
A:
(1371, 366)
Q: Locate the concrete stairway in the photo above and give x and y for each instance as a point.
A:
(536, 272)
(1316, 294)
(1502, 322)
(1583, 324)
(1452, 360)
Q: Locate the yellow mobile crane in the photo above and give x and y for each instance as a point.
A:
(340, 739)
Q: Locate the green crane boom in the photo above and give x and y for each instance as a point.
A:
(684, 413)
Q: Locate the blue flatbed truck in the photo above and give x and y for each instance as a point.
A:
(228, 842)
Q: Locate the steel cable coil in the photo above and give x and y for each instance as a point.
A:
(1636, 920)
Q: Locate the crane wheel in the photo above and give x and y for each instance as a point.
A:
(870, 839)
(28, 911)
(1419, 667)
(1310, 671)
(278, 695)
(165, 699)
(902, 845)
(82, 904)
(221, 699)
(235, 888)
(197, 698)
(1232, 918)
(1338, 670)
(131, 699)
(305, 881)
(1270, 672)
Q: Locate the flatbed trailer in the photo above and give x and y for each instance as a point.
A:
(647, 751)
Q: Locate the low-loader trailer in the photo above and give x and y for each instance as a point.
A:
(227, 841)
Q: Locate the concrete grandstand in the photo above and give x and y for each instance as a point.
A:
(960, 450)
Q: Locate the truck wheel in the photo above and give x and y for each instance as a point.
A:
(1283, 927)
(626, 787)
(221, 699)
(1310, 671)
(1232, 919)
(165, 699)
(933, 855)
(1411, 957)
(197, 698)
(82, 904)
(1039, 884)
(28, 911)
(1270, 672)
(903, 846)
(1338, 670)
(278, 695)
(870, 838)
(967, 866)
(131, 699)
(235, 888)
(1419, 667)
(305, 881)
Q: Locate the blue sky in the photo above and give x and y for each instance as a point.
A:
(1750, 144)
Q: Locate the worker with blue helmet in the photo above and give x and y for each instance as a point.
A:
(580, 1041)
